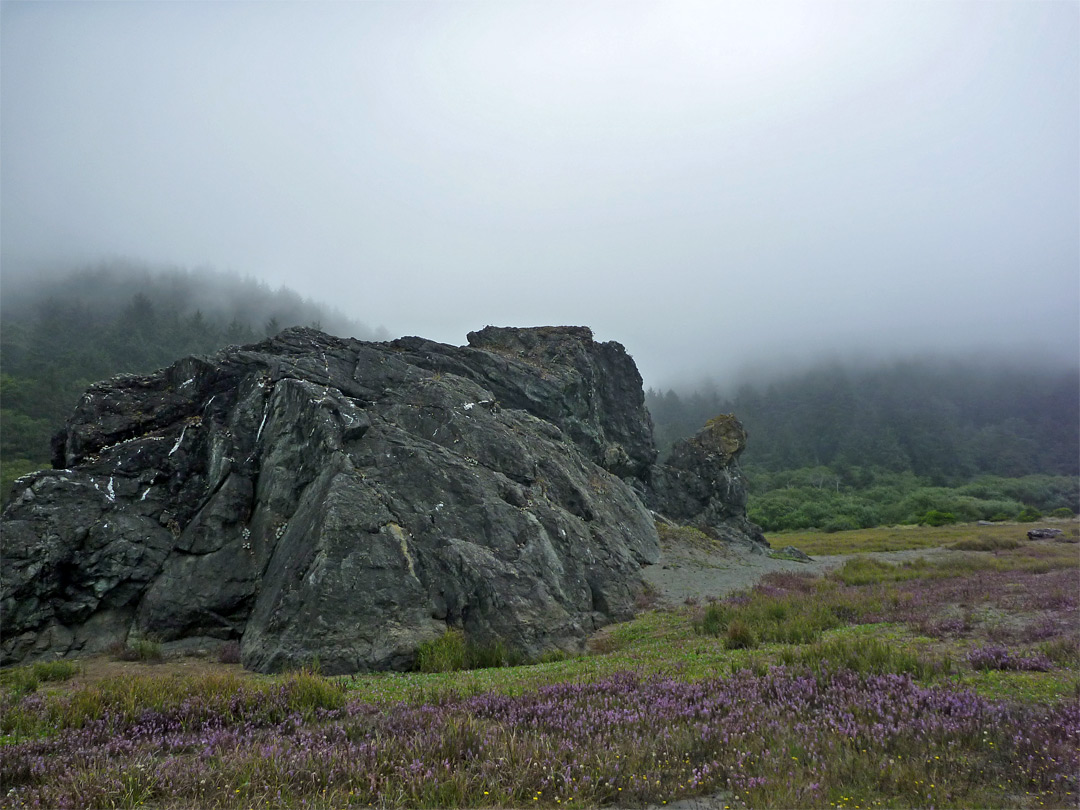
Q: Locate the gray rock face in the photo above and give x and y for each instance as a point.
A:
(701, 484)
(320, 497)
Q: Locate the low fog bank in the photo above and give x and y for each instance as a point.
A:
(945, 419)
(103, 290)
(730, 190)
(1036, 360)
(717, 357)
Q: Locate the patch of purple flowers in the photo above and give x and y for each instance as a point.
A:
(781, 739)
(996, 656)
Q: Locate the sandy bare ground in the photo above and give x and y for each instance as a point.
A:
(97, 668)
(691, 572)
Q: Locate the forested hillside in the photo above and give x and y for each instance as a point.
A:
(833, 447)
(845, 447)
(59, 335)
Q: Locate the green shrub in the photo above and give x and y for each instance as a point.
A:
(1029, 514)
(60, 670)
(553, 657)
(443, 654)
(936, 517)
(146, 649)
(25, 679)
(1043, 492)
(306, 691)
(1062, 512)
(20, 680)
(840, 523)
(488, 656)
(789, 618)
(801, 499)
(229, 653)
(452, 651)
(996, 510)
(686, 535)
(739, 636)
(712, 621)
(140, 649)
(1064, 652)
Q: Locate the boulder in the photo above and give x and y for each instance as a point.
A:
(1044, 534)
(794, 553)
(701, 484)
(317, 497)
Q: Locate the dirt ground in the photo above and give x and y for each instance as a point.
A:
(692, 572)
(97, 668)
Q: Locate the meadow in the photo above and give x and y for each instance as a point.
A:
(946, 681)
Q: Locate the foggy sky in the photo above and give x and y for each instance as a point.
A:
(713, 185)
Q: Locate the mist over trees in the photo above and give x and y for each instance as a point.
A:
(848, 447)
(60, 333)
(837, 446)
(945, 421)
(105, 290)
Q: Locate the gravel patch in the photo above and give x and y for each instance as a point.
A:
(694, 572)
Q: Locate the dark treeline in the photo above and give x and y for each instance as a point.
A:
(944, 422)
(60, 334)
(846, 447)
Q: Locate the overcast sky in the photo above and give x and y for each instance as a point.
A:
(714, 185)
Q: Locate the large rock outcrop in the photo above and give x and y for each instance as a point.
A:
(320, 497)
(701, 484)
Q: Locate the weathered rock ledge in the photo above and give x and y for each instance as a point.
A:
(313, 496)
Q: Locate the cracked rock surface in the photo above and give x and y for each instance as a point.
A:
(332, 499)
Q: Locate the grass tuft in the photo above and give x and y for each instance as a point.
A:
(985, 542)
(685, 536)
(453, 651)
(25, 679)
(867, 656)
(139, 649)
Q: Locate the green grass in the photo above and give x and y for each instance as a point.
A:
(866, 655)
(685, 535)
(780, 555)
(823, 626)
(121, 700)
(694, 642)
(1025, 687)
(452, 651)
(902, 538)
(787, 619)
(864, 570)
(985, 542)
(138, 649)
(25, 679)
